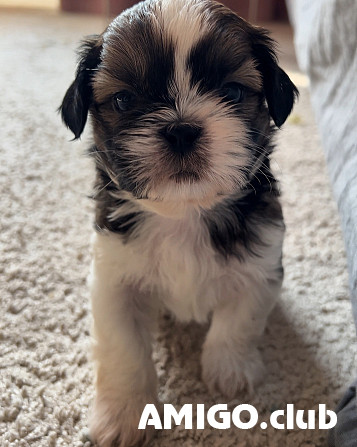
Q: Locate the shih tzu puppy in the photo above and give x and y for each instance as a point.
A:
(184, 97)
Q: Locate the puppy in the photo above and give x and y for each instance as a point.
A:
(184, 97)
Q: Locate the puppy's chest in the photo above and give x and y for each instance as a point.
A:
(178, 260)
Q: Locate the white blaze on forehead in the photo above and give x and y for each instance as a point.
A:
(184, 23)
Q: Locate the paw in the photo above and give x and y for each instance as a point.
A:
(115, 424)
(229, 372)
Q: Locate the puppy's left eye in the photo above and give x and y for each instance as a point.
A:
(123, 100)
(233, 92)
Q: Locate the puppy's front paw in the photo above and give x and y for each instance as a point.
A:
(230, 372)
(115, 424)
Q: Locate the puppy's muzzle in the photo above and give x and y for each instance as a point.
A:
(181, 137)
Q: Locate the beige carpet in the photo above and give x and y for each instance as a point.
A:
(45, 374)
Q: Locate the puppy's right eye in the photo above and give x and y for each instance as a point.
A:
(123, 100)
(233, 92)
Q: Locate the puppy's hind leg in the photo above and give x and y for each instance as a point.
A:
(124, 318)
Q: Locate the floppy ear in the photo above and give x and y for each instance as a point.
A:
(78, 98)
(280, 92)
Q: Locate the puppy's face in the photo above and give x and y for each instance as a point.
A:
(181, 94)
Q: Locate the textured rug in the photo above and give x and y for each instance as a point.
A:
(309, 347)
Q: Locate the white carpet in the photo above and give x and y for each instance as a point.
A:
(45, 376)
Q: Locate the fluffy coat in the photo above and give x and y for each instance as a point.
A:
(182, 94)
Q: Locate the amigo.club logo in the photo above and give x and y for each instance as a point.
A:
(218, 416)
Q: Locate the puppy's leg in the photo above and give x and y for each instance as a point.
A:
(124, 318)
(230, 358)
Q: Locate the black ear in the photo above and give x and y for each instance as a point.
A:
(78, 98)
(280, 92)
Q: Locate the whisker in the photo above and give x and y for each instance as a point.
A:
(258, 132)
(96, 193)
(270, 184)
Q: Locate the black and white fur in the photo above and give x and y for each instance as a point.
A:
(182, 95)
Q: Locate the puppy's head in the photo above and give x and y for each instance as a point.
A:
(181, 94)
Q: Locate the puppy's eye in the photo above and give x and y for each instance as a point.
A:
(123, 101)
(233, 92)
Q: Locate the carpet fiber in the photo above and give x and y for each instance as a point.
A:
(45, 371)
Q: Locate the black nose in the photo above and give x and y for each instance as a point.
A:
(181, 137)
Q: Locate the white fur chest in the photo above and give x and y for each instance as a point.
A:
(180, 263)
(173, 258)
